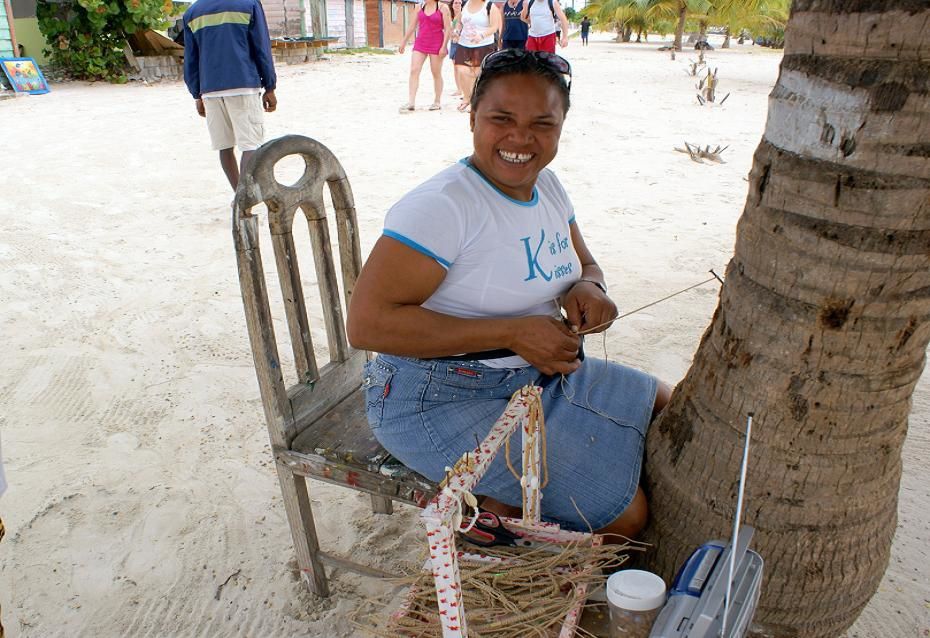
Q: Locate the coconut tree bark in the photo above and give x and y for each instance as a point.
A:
(822, 325)
(680, 27)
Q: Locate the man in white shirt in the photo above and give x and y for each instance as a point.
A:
(542, 16)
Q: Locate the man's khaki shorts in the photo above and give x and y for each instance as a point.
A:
(235, 120)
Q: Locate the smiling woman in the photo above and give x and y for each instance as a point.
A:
(464, 295)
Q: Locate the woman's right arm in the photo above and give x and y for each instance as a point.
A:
(385, 315)
(409, 34)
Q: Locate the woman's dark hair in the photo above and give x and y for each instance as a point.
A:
(525, 64)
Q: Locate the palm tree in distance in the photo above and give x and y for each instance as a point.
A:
(676, 10)
(625, 17)
(663, 16)
(753, 15)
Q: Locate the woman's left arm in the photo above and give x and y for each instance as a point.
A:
(446, 29)
(586, 303)
(496, 20)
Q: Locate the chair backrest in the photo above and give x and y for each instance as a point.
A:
(289, 410)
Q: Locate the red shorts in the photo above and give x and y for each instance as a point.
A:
(542, 43)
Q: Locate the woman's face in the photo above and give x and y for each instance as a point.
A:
(516, 129)
(457, 4)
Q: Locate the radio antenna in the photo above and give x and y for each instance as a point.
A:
(736, 524)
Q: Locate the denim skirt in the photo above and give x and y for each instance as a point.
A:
(429, 412)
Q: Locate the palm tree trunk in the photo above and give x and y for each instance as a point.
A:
(680, 28)
(822, 325)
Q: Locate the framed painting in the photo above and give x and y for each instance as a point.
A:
(24, 75)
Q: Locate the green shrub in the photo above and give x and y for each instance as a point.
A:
(86, 37)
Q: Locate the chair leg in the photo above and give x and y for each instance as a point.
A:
(303, 531)
(382, 505)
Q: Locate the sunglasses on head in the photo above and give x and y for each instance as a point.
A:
(512, 57)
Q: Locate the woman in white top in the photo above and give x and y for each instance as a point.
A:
(477, 26)
(462, 297)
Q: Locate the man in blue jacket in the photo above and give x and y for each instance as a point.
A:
(227, 62)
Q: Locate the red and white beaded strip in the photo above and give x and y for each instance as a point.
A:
(444, 512)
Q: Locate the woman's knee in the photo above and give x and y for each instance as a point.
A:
(633, 519)
(663, 394)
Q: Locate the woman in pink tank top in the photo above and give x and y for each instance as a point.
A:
(433, 26)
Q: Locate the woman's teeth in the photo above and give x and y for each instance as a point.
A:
(515, 158)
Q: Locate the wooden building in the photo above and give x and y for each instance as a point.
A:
(26, 25)
(285, 17)
(8, 44)
(387, 20)
(341, 19)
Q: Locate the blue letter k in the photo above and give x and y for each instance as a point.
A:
(532, 258)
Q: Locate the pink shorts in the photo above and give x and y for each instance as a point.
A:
(542, 43)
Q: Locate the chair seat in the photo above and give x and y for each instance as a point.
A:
(339, 448)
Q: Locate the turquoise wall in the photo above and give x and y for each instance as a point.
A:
(6, 38)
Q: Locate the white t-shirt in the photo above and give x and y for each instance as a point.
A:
(541, 21)
(472, 26)
(504, 258)
(233, 92)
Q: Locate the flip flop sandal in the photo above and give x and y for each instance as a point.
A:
(407, 108)
(434, 107)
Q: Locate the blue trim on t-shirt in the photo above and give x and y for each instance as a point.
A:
(406, 241)
(533, 200)
(571, 220)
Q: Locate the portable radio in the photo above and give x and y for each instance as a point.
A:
(716, 591)
(696, 603)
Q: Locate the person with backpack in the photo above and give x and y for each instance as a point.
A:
(479, 24)
(515, 29)
(545, 19)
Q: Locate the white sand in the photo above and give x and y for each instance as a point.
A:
(139, 466)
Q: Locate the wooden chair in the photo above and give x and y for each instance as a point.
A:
(318, 427)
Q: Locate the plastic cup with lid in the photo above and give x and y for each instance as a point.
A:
(635, 598)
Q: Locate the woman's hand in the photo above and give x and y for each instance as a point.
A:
(588, 306)
(546, 344)
(403, 45)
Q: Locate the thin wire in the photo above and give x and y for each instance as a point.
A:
(565, 385)
(648, 305)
